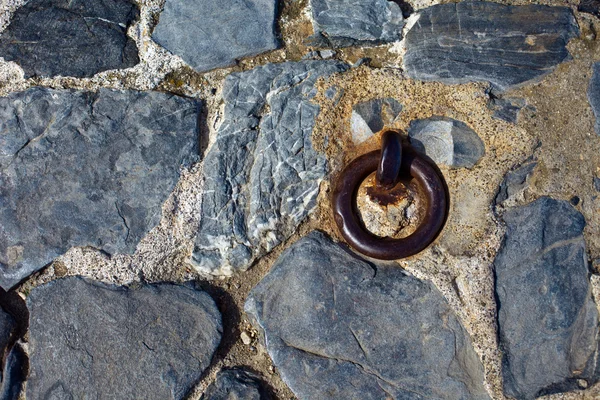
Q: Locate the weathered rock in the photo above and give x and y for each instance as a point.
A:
(594, 94)
(515, 183)
(372, 116)
(10, 379)
(339, 327)
(597, 184)
(90, 340)
(262, 174)
(208, 34)
(14, 374)
(590, 7)
(446, 141)
(71, 37)
(86, 169)
(485, 41)
(506, 109)
(236, 383)
(356, 22)
(547, 318)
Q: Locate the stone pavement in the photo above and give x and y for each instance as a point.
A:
(165, 178)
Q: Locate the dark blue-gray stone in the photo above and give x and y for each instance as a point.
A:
(547, 318)
(209, 34)
(590, 7)
(91, 340)
(262, 174)
(236, 383)
(71, 37)
(485, 41)
(86, 169)
(594, 94)
(339, 327)
(343, 23)
(506, 109)
(597, 184)
(515, 182)
(14, 373)
(446, 141)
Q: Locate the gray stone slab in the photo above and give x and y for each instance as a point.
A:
(339, 327)
(446, 141)
(343, 23)
(209, 34)
(594, 94)
(236, 383)
(372, 116)
(90, 340)
(485, 41)
(547, 318)
(86, 169)
(71, 37)
(262, 174)
(515, 182)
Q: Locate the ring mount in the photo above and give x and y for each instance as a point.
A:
(412, 164)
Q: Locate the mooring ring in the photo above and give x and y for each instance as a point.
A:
(346, 212)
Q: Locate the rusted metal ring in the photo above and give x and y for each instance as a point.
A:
(346, 214)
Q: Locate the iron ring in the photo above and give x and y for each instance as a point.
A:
(346, 213)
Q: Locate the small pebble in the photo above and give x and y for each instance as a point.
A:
(246, 339)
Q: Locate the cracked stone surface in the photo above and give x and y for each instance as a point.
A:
(372, 116)
(446, 141)
(262, 174)
(547, 318)
(88, 339)
(71, 37)
(339, 327)
(484, 41)
(207, 35)
(343, 23)
(594, 94)
(86, 169)
(236, 383)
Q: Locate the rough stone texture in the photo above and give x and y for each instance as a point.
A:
(235, 383)
(590, 7)
(71, 37)
(515, 182)
(262, 174)
(485, 41)
(14, 374)
(446, 141)
(86, 169)
(597, 184)
(210, 34)
(339, 327)
(507, 109)
(89, 340)
(547, 318)
(342, 23)
(372, 116)
(594, 94)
